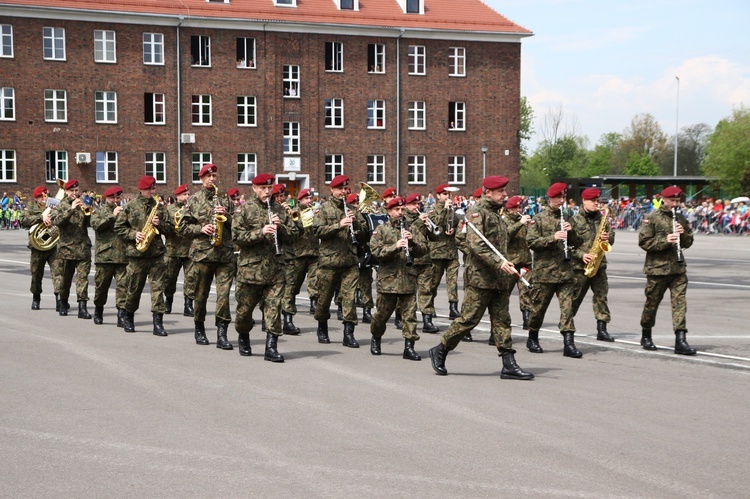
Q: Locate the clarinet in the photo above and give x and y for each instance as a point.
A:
(409, 261)
(351, 227)
(674, 229)
(270, 220)
(565, 241)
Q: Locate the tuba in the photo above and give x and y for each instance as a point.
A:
(367, 196)
(149, 229)
(598, 248)
(41, 237)
(218, 221)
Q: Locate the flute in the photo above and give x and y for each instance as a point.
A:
(270, 220)
(674, 229)
(565, 241)
(409, 261)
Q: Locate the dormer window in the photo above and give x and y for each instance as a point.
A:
(347, 4)
(412, 6)
(217, 1)
(285, 3)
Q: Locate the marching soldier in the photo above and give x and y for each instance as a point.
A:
(33, 215)
(177, 254)
(518, 253)
(586, 224)
(111, 261)
(138, 225)
(443, 252)
(485, 283)
(73, 218)
(259, 230)
(364, 286)
(663, 235)
(208, 221)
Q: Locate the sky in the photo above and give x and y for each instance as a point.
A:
(604, 62)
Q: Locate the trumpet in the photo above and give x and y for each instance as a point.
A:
(431, 226)
(86, 206)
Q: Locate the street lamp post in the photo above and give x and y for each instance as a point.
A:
(676, 124)
(484, 162)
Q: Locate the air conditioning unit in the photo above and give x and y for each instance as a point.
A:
(187, 138)
(83, 157)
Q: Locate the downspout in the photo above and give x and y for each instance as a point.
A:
(398, 111)
(179, 105)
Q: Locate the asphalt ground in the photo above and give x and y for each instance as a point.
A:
(90, 411)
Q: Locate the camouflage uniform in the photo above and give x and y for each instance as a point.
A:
(177, 256)
(111, 260)
(422, 264)
(31, 216)
(520, 255)
(73, 249)
(444, 257)
(586, 225)
(303, 260)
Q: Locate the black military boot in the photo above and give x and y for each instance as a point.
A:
(313, 305)
(397, 320)
(409, 352)
(323, 332)
(453, 312)
(681, 346)
(188, 310)
(533, 342)
(569, 349)
(526, 314)
(367, 315)
(57, 302)
(511, 369)
(64, 307)
(358, 301)
(200, 334)
(243, 341)
(120, 315)
(646, 341)
(272, 353)
(98, 314)
(601, 332)
(427, 325)
(168, 304)
(221, 336)
(35, 301)
(468, 337)
(128, 321)
(340, 313)
(289, 327)
(437, 356)
(375, 346)
(349, 340)
(82, 312)
(158, 326)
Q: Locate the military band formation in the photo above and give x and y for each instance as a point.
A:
(268, 248)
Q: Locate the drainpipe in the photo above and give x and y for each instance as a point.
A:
(398, 111)
(179, 105)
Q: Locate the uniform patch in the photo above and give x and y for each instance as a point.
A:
(474, 215)
(645, 222)
(374, 232)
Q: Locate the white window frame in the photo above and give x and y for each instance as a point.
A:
(105, 106)
(291, 81)
(247, 111)
(457, 59)
(6, 40)
(417, 60)
(285, 3)
(336, 62)
(340, 3)
(376, 114)
(457, 170)
(417, 169)
(8, 171)
(158, 109)
(334, 165)
(247, 167)
(106, 165)
(105, 46)
(204, 51)
(334, 113)
(55, 102)
(202, 108)
(59, 169)
(153, 49)
(155, 164)
(53, 43)
(377, 61)
(7, 104)
(291, 137)
(244, 64)
(376, 169)
(458, 111)
(417, 115)
(198, 160)
(405, 4)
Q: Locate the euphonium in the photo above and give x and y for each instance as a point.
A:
(218, 221)
(45, 238)
(367, 196)
(149, 230)
(598, 248)
(307, 217)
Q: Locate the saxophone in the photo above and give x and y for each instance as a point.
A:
(598, 248)
(149, 229)
(218, 221)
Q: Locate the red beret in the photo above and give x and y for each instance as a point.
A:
(671, 192)
(113, 191)
(494, 182)
(352, 198)
(478, 193)
(557, 189)
(412, 198)
(146, 182)
(233, 192)
(40, 191)
(391, 191)
(71, 184)
(263, 179)
(303, 193)
(513, 202)
(180, 189)
(441, 188)
(278, 188)
(339, 181)
(208, 168)
(397, 201)
(591, 193)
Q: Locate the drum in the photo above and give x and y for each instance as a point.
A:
(373, 222)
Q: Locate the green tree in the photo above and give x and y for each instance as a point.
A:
(727, 153)
(600, 159)
(641, 164)
(526, 128)
(644, 134)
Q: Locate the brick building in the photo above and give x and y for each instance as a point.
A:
(409, 93)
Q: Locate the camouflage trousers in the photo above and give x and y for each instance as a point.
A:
(476, 301)
(296, 270)
(329, 279)
(82, 269)
(174, 264)
(424, 286)
(365, 287)
(656, 286)
(204, 273)
(541, 296)
(600, 288)
(387, 303)
(138, 270)
(103, 276)
(524, 293)
(39, 259)
(450, 268)
(248, 296)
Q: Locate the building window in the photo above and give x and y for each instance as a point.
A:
(245, 53)
(106, 167)
(153, 109)
(246, 111)
(199, 159)
(291, 81)
(413, 6)
(7, 165)
(457, 116)
(417, 113)
(55, 105)
(7, 104)
(376, 169)
(104, 46)
(247, 166)
(457, 61)
(6, 40)
(153, 48)
(348, 5)
(334, 113)
(334, 56)
(106, 107)
(56, 166)
(201, 110)
(291, 137)
(200, 50)
(54, 44)
(334, 166)
(156, 166)
(417, 59)
(457, 170)
(285, 3)
(376, 58)
(417, 170)
(375, 114)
